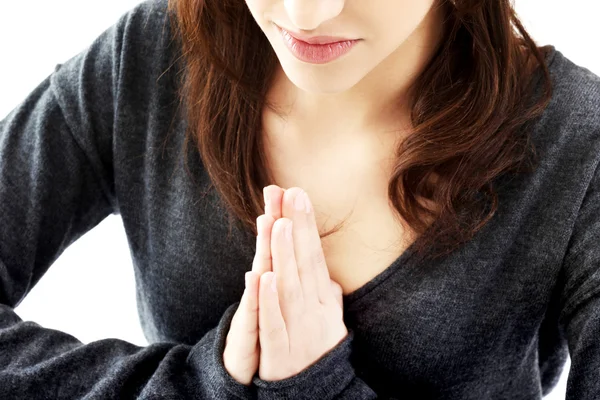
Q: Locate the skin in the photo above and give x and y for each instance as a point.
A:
(280, 333)
(365, 88)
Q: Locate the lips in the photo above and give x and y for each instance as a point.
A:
(316, 49)
(317, 39)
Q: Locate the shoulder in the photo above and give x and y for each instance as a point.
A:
(576, 92)
(150, 8)
(137, 47)
(146, 21)
(568, 130)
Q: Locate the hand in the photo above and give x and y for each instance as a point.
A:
(300, 314)
(242, 352)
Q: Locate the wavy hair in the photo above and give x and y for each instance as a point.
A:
(472, 108)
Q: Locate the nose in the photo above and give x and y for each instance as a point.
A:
(309, 14)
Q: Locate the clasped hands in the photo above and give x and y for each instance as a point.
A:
(291, 312)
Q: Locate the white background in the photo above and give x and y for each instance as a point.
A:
(89, 291)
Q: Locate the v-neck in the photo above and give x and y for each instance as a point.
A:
(402, 262)
(398, 263)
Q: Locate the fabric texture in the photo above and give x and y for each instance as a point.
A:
(102, 134)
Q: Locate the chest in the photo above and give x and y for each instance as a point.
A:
(346, 180)
(476, 312)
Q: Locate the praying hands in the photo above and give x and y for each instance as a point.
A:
(291, 312)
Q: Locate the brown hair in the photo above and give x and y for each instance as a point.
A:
(471, 110)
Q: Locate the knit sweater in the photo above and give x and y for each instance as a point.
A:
(102, 134)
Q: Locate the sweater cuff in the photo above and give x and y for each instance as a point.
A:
(323, 380)
(220, 376)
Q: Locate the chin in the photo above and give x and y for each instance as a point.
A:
(323, 79)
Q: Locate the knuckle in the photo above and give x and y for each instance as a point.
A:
(261, 258)
(291, 295)
(265, 257)
(248, 356)
(252, 331)
(253, 308)
(318, 258)
(274, 333)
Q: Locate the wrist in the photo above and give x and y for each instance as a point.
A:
(324, 379)
(222, 377)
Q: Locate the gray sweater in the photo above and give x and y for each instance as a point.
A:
(99, 136)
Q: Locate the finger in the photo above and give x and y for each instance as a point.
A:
(273, 195)
(262, 257)
(272, 332)
(245, 321)
(250, 303)
(307, 244)
(284, 266)
(319, 270)
(243, 332)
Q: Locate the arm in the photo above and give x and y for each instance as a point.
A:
(56, 183)
(40, 363)
(580, 301)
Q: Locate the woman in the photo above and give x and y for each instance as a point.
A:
(409, 188)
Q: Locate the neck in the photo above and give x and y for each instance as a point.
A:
(379, 100)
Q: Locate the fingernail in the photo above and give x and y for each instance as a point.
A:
(299, 203)
(288, 231)
(273, 283)
(307, 203)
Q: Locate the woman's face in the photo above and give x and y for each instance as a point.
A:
(383, 28)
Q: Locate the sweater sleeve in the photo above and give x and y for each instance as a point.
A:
(330, 377)
(55, 185)
(580, 303)
(39, 363)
